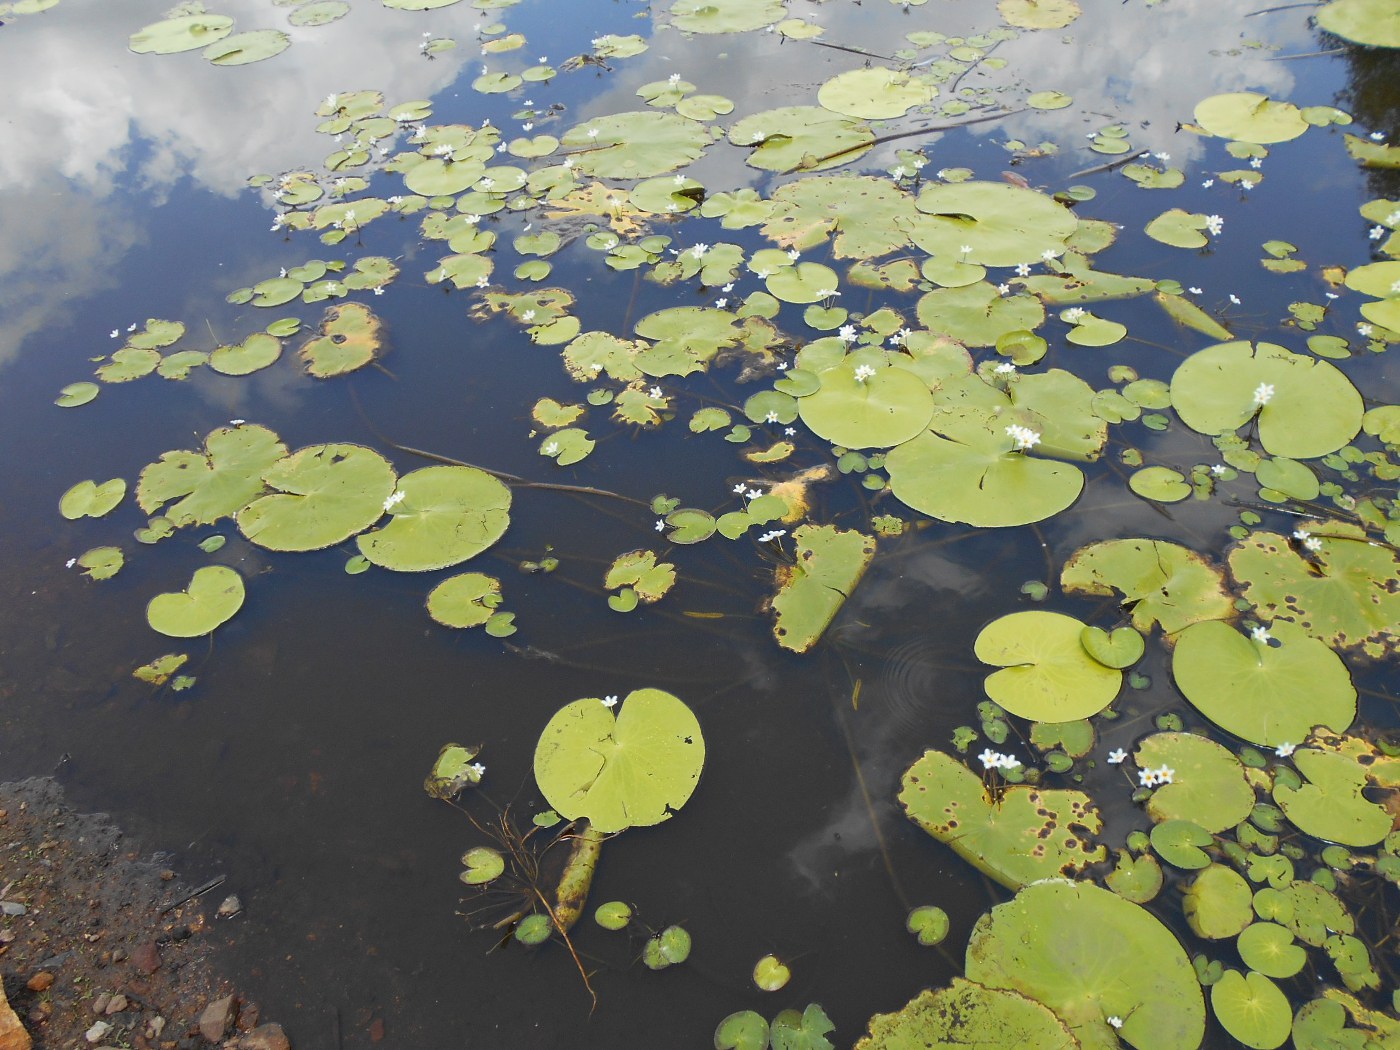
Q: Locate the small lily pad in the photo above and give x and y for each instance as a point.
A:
(214, 594)
(483, 864)
(928, 923)
(770, 975)
(88, 499)
(1046, 674)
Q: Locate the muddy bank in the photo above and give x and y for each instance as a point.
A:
(102, 945)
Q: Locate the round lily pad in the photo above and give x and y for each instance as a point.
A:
(256, 352)
(614, 915)
(215, 593)
(75, 394)
(102, 563)
(243, 48)
(448, 514)
(875, 93)
(182, 33)
(1161, 582)
(465, 600)
(1330, 806)
(349, 339)
(998, 224)
(1087, 954)
(745, 1030)
(1371, 22)
(535, 928)
(1218, 903)
(770, 975)
(318, 12)
(635, 145)
(1266, 694)
(88, 499)
(1306, 406)
(1039, 14)
(862, 405)
(725, 16)
(1208, 784)
(928, 923)
(1252, 1009)
(323, 495)
(1270, 949)
(970, 1016)
(483, 864)
(633, 770)
(198, 488)
(1046, 674)
(1247, 116)
(1180, 842)
(807, 138)
(1123, 648)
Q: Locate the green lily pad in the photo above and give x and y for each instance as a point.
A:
(1247, 116)
(614, 915)
(318, 12)
(745, 1030)
(1180, 842)
(159, 670)
(128, 363)
(804, 283)
(640, 571)
(349, 339)
(1270, 949)
(533, 929)
(1305, 406)
(88, 499)
(635, 770)
(322, 495)
(725, 16)
(448, 514)
(1039, 14)
(101, 563)
(770, 975)
(635, 145)
(1375, 23)
(1137, 879)
(258, 351)
(452, 771)
(977, 314)
(181, 33)
(686, 338)
(75, 394)
(1121, 649)
(1269, 695)
(999, 224)
(1218, 903)
(1159, 484)
(875, 93)
(1161, 582)
(213, 484)
(928, 923)
(1179, 229)
(806, 138)
(968, 1015)
(1088, 955)
(1346, 594)
(1252, 1009)
(867, 404)
(466, 600)
(215, 593)
(1016, 837)
(1330, 805)
(829, 563)
(1208, 785)
(243, 48)
(483, 864)
(1046, 674)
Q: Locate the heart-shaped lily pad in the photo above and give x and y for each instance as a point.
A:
(88, 499)
(215, 593)
(1161, 582)
(483, 864)
(928, 923)
(770, 975)
(324, 494)
(1252, 1009)
(1047, 675)
(1123, 648)
(447, 515)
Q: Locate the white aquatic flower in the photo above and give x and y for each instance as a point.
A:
(782, 366)
(758, 136)
(1003, 289)
(1263, 394)
(349, 215)
(471, 218)
(771, 417)
(753, 494)
(1363, 329)
(990, 759)
(846, 333)
(1377, 232)
(1207, 184)
(552, 449)
(236, 422)
(1194, 290)
(827, 293)
(1163, 157)
(1285, 749)
(1214, 223)
(966, 249)
(863, 372)
(487, 183)
(720, 304)
(1024, 437)
(1116, 1022)
(482, 282)
(1219, 470)
(593, 133)
(1165, 774)
(609, 701)
(1005, 369)
(739, 488)
(1073, 314)
(1378, 136)
(1256, 163)
(793, 254)
(1261, 634)
(379, 290)
(768, 537)
(1023, 270)
(478, 769)
(331, 100)
(1234, 299)
(115, 332)
(568, 162)
(672, 207)
(70, 563)
(674, 78)
(656, 392)
(898, 171)
(394, 499)
(699, 250)
(789, 431)
(529, 125)
(528, 315)
(660, 525)
(1147, 778)
(1048, 255)
(1116, 757)
(1393, 219)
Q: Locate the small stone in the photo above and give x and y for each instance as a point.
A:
(116, 1005)
(265, 1037)
(99, 1005)
(40, 981)
(146, 958)
(216, 1019)
(95, 1034)
(230, 907)
(118, 955)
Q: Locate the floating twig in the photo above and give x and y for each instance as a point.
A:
(1108, 165)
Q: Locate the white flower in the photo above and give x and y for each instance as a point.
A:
(593, 133)
(1023, 270)
(1194, 290)
(131, 327)
(1073, 314)
(846, 333)
(827, 293)
(728, 287)
(529, 125)
(990, 759)
(471, 218)
(1378, 136)
(763, 274)
(1214, 223)
(1234, 299)
(568, 162)
(898, 171)
(674, 78)
(660, 525)
(379, 290)
(1363, 329)
(1377, 232)
(1163, 157)
(482, 282)
(394, 498)
(70, 563)
(771, 417)
(782, 366)
(739, 489)
(1116, 1022)
(656, 392)
(1256, 163)
(528, 315)
(753, 494)
(1048, 255)
(1260, 634)
(863, 372)
(966, 249)
(1247, 184)
(1115, 757)
(769, 536)
(758, 136)
(1024, 437)
(720, 304)
(794, 254)
(349, 215)
(672, 207)
(236, 422)
(1312, 543)
(1393, 219)
(1218, 470)
(1147, 777)
(699, 250)
(1003, 289)
(552, 449)
(1263, 393)
(116, 332)
(478, 769)
(1285, 749)
(487, 183)
(609, 701)
(331, 100)
(1207, 184)
(789, 431)
(1165, 774)
(1005, 369)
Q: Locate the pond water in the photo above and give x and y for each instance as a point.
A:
(130, 189)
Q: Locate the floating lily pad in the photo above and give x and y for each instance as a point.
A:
(101, 563)
(322, 495)
(1269, 695)
(1180, 843)
(633, 770)
(483, 864)
(318, 12)
(1038, 14)
(1046, 674)
(635, 145)
(349, 339)
(128, 363)
(213, 484)
(181, 33)
(613, 915)
(745, 1030)
(725, 16)
(256, 352)
(928, 923)
(1218, 903)
(875, 93)
(1306, 407)
(968, 1015)
(977, 314)
(867, 405)
(1121, 649)
(999, 224)
(215, 593)
(639, 570)
(1018, 836)
(806, 138)
(829, 563)
(465, 600)
(1371, 22)
(770, 975)
(453, 771)
(448, 514)
(88, 499)
(75, 394)
(1159, 484)
(1270, 949)
(1208, 785)
(1161, 582)
(243, 48)
(1330, 806)
(1088, 955)
(159, 670)
(1247, 116)
(1347, 593)
(1252, 1009)
(1137, 879)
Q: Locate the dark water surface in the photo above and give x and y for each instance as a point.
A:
(295, 763)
